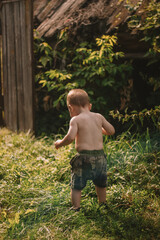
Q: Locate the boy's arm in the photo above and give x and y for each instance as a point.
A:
(107, 128)
(70, 136)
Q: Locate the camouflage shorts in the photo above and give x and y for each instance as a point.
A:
(88, 165)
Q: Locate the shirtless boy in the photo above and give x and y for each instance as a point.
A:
(87, 129)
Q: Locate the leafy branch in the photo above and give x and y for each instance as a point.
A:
(136, 117)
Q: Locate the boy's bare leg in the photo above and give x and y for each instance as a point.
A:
(101, 194)
(76, 198)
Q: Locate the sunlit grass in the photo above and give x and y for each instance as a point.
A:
(35, 192)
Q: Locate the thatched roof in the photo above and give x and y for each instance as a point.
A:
(54, 15)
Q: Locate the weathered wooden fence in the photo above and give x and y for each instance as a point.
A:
(17, 62)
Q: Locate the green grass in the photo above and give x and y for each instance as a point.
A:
(35, 192)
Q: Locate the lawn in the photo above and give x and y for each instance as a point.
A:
(35, 191)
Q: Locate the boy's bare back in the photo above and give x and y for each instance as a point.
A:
(86, 129)
(89, 131)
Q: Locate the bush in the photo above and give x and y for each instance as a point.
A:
(92, 67)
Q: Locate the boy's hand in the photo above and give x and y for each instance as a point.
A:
(57, 144)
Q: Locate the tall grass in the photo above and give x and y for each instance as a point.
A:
(35, 191)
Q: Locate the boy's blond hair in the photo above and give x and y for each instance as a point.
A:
(77, 97)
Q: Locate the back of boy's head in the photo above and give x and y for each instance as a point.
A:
(77, 97)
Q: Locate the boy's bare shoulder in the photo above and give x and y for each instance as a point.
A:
(82, 117)
(97, 115)
(89, 114)
(89, 117)
(73, 119)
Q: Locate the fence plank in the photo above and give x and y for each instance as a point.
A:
(18, 55)
(4, 68)
(29, 37)
(1, 90)
(12, 92)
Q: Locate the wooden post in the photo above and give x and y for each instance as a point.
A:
(17, 61)
(1, 97)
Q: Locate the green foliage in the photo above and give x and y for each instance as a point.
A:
(100, 69)
(35, 193)
(52, 80)
(89, 66)
(149, 118)
(43, 54)
(149, 26)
